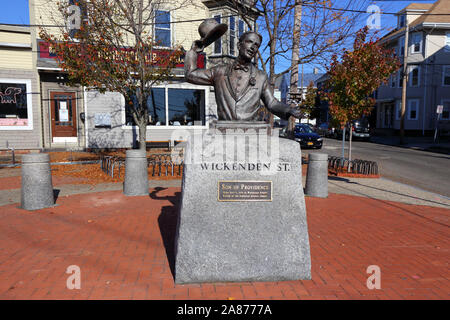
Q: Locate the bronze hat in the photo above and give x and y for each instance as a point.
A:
(210, 30)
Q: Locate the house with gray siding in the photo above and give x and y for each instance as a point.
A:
(20, 117)
(428, 66)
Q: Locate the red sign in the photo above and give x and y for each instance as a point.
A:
(46, 52)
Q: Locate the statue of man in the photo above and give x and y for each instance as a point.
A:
(239, 86)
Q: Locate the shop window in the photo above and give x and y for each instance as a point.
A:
(183, 107)
(186, 107)
(15, 105)
(413, 107)
(218, 42)
(163, 34)
(156, 104)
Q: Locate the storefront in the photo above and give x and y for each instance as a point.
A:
(62, 106)
(172, 105)
(19, 105)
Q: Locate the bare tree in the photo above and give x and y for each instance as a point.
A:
(324, 29)
(113, 49)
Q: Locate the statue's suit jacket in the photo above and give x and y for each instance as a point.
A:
(229, 105)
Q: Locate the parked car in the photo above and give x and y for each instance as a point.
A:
(313, 127)
(360, 130)
(307, 137)
(325, 130)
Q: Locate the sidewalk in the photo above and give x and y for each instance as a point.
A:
(418, 143)
(124, 246)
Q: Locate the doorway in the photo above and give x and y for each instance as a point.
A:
(63, 106)
(388, 115)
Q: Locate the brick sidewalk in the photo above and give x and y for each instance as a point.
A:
(124, 245)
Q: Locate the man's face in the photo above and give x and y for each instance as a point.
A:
(249, 46)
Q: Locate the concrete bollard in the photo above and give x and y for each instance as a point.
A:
(317, 176)
(37, 187)
(136, 176)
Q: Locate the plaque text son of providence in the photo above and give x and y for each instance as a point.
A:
(244, 191)
(224, 166)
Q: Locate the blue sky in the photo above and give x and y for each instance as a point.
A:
(16, 12)
(387, 21)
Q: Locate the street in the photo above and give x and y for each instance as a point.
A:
(422, 169)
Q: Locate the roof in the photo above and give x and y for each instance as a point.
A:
(439, 7)
(435, 14)
(11, 28)
(417, 6)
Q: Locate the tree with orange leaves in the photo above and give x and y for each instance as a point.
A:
(355, 77)
(113, 50)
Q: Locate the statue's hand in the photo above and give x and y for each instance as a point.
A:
(296, 113)
(197, 46)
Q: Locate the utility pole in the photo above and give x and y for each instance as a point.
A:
(405, 83)
(293, 83)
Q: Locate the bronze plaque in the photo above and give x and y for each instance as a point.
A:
(244, 190)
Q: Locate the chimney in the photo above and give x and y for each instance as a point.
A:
(316, 70)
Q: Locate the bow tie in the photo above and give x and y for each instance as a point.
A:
(238, 66)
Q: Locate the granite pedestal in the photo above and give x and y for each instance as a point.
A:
(243, 215)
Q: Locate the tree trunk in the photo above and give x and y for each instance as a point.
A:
(343, 147)
(350, 135)
(142, 135)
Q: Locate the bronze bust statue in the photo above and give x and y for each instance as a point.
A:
(239, 86)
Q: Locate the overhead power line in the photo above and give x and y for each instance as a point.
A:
(227, 16)
(146, 24)
(362, 11)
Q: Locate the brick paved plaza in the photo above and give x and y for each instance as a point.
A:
(124, 248)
